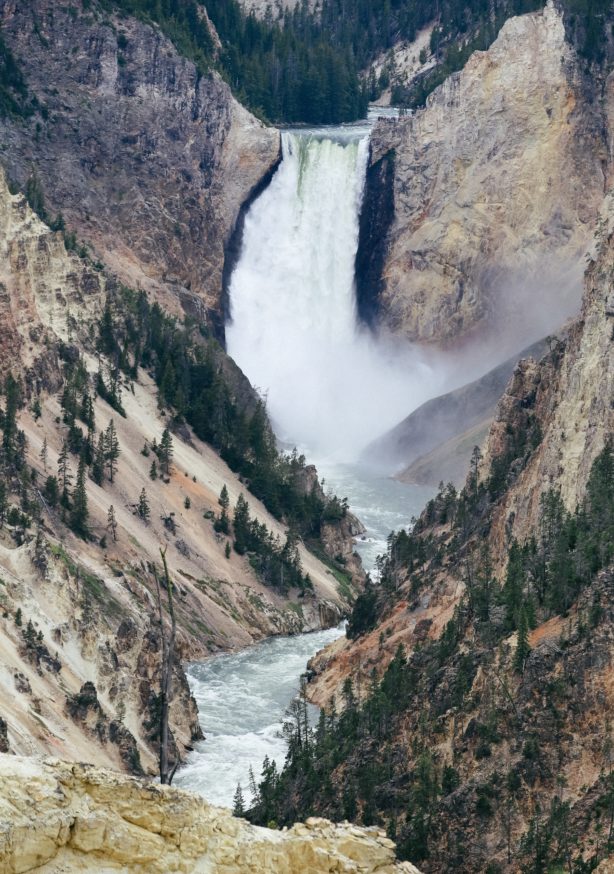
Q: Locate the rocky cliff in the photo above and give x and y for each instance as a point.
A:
(148, 161)
(92, 820)
(569, 393)
(79, 633)
(497, 186)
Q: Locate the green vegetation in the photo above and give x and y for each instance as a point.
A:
(378, 758)
(276, 565)
(188, 367)
(14, 95)
(310, 68)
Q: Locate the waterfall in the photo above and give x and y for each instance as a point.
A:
(331, 386)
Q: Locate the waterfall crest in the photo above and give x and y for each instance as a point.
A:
(331, 386)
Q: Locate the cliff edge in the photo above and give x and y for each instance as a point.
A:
(88, 819)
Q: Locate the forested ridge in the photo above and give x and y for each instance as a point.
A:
(470, 732)
(314, 67)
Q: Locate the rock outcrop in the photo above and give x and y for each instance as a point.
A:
(148, 161)
(85, 819)
(497, 186)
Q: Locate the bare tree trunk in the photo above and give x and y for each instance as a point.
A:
(166, 673)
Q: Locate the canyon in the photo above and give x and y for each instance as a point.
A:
(485, 224)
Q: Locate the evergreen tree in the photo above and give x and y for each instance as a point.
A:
(79, 511)
(111, 449)
(86, 411)
(165, 452)
(64, 474)
(3, 502)
(224, 500)
(43, 453)
(100, 459)
(51, 491)
(143, 506)
(153, 471)
(227, 549)
(238, 802)
(241, 524)
(522, 647)
(13, 401)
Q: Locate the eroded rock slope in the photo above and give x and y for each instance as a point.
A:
(148, 161)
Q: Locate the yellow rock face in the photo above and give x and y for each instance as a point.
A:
(58, 817)
(497, 188)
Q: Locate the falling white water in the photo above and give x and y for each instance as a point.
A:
(330, 384)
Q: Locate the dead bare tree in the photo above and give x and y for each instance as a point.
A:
(166, 671)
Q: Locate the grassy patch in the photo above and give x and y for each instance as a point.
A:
(344, 580)
(94, 587)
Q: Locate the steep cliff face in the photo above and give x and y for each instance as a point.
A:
(570, 394)
(497, 188)
(79, 633)
(93, 820)
(148, 161)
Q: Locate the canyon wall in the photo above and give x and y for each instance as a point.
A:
(148, 161)
(79, 629)
(497, 186)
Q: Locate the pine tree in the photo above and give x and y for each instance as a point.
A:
(241, 525)
(238, 802)
(86, 412)
(153, 471)
(3, 502)
(143, 506)
(227, 549)
(222, 523)
(107, 330)
(522, 647)
(79, 512)
(64, 475)
(115, 391)
(111, 449)
(99, 462)
(112, 522)
(165, 452)
(13, 400)
(43, 453)
(51, 491)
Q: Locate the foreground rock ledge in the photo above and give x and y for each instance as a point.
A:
(65, 817)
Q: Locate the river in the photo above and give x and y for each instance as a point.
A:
(331, 387)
